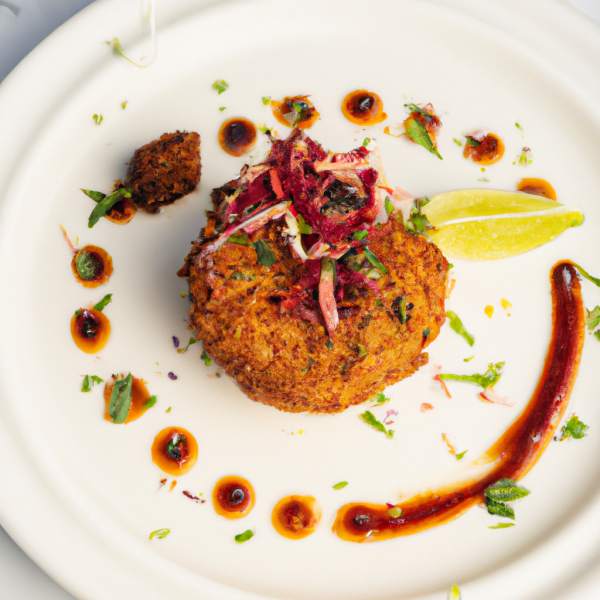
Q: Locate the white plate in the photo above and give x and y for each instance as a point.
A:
(80, 495)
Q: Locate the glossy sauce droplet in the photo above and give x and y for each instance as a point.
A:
(295, 111)
(90, 330)
(139, 396)
(363, 108)
(537, 187)
(485, 149)
(237, 136)
(174, 450)
(296, 517)
(92, 266)
(233, 497)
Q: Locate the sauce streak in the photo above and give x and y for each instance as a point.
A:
(233, 497)
(296, 517)
(139, 397)
(92, 266)
(302, 115)
(90, 330)
(363, 108)
(485, 150)
(174, 450)
(537, 187)
(514, 453)
(237, 136)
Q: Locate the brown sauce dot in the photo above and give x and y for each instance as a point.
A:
(237, 136)
(295, 111)
(363, 108)
(537, 187)
(296, 517)
(233, 497)
(139, 396)
(485, 150)
(92, 266)
(121, 212)
(90, 330)
(174, 450)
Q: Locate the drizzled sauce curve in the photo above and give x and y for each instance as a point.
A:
(515, 452)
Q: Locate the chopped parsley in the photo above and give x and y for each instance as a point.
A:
(366, 142)
(160, 533)
(457, 142)
(574, 428)
(265, 255)
(89, 381)
(266, 100)
(264, 129)
(206, 358)
(244, 537)
(380, 399)
(487, 380)
(469, 359)
(457, 325)
(389, 206)
(124, 105)
(369, 418)
(459, 456)
(472, 141)
(417, 132)
(359, 235)
(120, 399)
(417, 220)
(103, 303)
(374, 260)
(98, 119)
(340, 485)
(105, 203)
(220, 85)
(190, 343)
(518, 126)
(501, 526)
(362, 351)
(222, 108)
(150, 403)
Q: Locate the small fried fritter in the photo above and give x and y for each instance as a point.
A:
(164, 170)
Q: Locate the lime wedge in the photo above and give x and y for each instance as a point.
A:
(490, 224)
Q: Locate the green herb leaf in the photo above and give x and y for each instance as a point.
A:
(244, 537)
(456, 325)
(592, 318)
(103, 303)
(414, 108)
(487, 380)
(395, 512)
(241, 239)
(86, 265)
(222, 108)
(263, 128)
(454, 593)
(457, 142)
(160, 533)
(96, 379)
(264, 253)
(459, 456)
(366, 142)
(585, 274)
(206, 358)
(85, 386)
(362, 351)
(329, 344)
(168, 409)
(95, 196)
(98, 119)
(124, 104)
(469, 359)
(359, 235)
(417, 132)
(574, 428)
(106, 204)
(340, 485)
(499, 508)
(472, 141)
(302, 110)
(378, 302)
(501, 526)
(381, 399)
(450, 266)
(597, 334)
(505, 490)
(266, 100)
(220, 85)
(120, 399)
(374, 260)
(150, 403)
(389, 206)
(518, 126)
(369, 418)
(190, 343)
(303, 226)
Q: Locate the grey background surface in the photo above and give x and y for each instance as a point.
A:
(23, 25)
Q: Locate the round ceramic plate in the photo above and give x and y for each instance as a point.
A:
(82, 495)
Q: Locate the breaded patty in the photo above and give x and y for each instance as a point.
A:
(164, 170)
(281, 358)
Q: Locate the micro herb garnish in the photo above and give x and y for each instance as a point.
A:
(472, 141)
(592, 318)
(450, 266)
(190, 343)
(501, 526)
(222, 108)
(362, 351)
(244, 537)
(374, 260)
(395, 512)
(488, 379)
(242, 276)
(160, 533)
(380, 399)
(389, 206)
(418, 133)
(220, 85)
(241, 239)
(206, 358)
(456, 325)
(95, 196)
(518, 126)
(87, 265)
(96, 379)
(264, 253)
(98, 119)
(369, 418)
(361, 234)
(329, 344)
(340, 485)
(303, 226)
(525, 157)
(504, 490)
(124, 104)
(454, 593)
(168, 410)
(459, 456)
(574, 428)
(120, 399)
(417, 219)
(414, 108)
(585, 274)
(89, 381)
(469, 359)
(366, 142)
(150, 403)
(302, 110)
(103, 303)
(266, 100)
(457, 142)
(264, 129)
(105, 204)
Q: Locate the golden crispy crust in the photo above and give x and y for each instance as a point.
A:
(283, 361)
(164, 170)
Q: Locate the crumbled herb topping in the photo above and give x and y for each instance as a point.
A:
(160, 533)
(220, 85)
(244, 537)
(369, 418)
(103, 303)
(574, 428)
